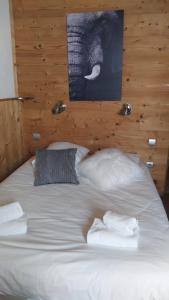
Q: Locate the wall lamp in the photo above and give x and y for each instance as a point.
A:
(126, 109)
(59, 107)
(18, 98)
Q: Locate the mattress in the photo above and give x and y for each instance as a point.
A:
(54, 262)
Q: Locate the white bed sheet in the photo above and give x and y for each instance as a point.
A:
(53, 262)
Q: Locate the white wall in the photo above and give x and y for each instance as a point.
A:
(7, 84)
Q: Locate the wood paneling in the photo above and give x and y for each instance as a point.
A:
(11, 154)
(41, 49)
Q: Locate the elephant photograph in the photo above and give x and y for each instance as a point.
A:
(95, 50)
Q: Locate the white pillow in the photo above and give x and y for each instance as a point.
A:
(134, 157)
(81, 151)
(110, 168)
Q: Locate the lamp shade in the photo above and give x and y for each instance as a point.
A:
(7, 79)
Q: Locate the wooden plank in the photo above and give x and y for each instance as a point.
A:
(11, 154)
(135, 6)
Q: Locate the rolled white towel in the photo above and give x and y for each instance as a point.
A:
(15, 227)
(10, 212)
(98, 234)
(126, 225)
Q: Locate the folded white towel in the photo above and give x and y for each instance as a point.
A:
(98, 234)
(126, 225)
(15, 227)
(10, 212)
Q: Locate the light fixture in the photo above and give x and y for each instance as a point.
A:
(19, 98)
(126, 109)
(59, 107)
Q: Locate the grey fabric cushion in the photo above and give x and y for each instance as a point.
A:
(55, 166)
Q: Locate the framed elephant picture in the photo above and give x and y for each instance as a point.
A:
(95, 49)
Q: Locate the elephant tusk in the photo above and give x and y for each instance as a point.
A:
(95, 73)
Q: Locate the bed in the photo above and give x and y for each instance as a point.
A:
(53, 262)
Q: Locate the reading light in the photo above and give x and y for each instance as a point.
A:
(23, 98)
(126, 109)
(59, 107)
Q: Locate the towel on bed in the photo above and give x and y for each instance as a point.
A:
(99, 234)
(125, 225)
(15, 227)
(10, 212)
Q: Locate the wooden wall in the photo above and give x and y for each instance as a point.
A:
(41, 52)
(11, 154)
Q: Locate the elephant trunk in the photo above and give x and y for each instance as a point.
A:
(95, 56)
(77, 63)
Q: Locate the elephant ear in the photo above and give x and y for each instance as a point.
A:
(109, 22)
(99, 38)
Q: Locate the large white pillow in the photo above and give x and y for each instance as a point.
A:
(110, 168)
(81, 151)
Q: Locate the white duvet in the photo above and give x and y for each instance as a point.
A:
(53, 262)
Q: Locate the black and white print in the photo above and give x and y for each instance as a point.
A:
(95, 47)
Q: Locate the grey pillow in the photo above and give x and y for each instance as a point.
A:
(55, 166)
